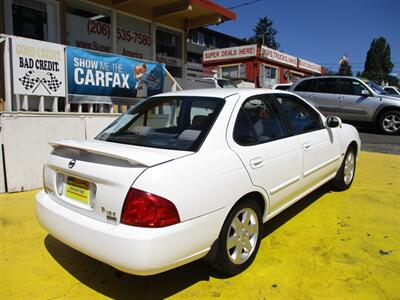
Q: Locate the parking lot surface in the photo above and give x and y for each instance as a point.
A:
(330, 245)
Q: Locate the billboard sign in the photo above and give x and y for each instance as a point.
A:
(38, 68)
(96, 73)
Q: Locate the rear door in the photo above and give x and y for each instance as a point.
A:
(272, 158)
(323, 93)
(306, 88)
(326, 96)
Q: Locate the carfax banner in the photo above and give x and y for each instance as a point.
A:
(95, 73)
(38, 68)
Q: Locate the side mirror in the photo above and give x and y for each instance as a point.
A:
(365, 93)
(333, 122)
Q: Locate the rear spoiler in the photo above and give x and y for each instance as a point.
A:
(103, 150)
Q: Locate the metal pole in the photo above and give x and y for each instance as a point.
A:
(18, 100)
(7, 75)
(55, 105)
(25, 103)
(41, 104)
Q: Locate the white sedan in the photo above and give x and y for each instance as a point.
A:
(192, 174)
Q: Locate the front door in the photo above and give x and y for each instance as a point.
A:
(319, 145)
(354, 105)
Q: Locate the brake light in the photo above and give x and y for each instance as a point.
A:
(143, 209)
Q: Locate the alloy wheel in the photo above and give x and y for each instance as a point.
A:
(349, 165)
(242, 236)
(391, 123)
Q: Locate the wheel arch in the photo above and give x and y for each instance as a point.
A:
(384, 108)
(259, 198)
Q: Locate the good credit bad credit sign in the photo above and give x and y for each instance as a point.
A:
(38, 68)
(229, 53)
(95, 73)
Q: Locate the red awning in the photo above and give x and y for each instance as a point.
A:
(182, 14)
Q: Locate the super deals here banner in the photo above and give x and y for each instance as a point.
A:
(95, 73)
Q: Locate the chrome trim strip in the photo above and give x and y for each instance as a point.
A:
(284, 185)
(317, 168)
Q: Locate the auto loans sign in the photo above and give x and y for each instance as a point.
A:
(309, 66)
(229, 53)
(38, 68)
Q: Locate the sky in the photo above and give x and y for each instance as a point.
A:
(322, 31)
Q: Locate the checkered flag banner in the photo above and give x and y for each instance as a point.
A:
(27, 81)
(53, 84)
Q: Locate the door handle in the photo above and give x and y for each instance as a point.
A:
(306, 146)
(257, 162)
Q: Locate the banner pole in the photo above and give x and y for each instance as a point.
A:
(173, 80)
(7, 75)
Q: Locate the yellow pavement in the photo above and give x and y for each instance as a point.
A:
(330, 245)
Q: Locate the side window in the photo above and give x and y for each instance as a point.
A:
(327, 85)
(351, 87)
(257, 122)
(308, 85)
(301, 117)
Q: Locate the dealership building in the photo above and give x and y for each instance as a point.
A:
(149, 30)
(261, 66)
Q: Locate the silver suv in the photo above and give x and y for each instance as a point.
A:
(352, 99)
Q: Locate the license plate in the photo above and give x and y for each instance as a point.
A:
(78, 190)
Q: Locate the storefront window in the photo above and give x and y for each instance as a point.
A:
(198, 38)
(34, 25)
(134, 37)
(35, 19)
(269, 76)
(230, 71)
(169, 50)
(234, 72)
(88, 27)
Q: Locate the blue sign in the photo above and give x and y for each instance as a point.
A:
(95, 73)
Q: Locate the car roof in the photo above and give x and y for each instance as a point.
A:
(222, 92)
(331, 76)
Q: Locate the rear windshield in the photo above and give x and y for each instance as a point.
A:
(177, 123)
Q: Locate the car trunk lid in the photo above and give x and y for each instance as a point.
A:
(93, 177)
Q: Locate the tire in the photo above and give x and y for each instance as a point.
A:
(389, 122)
(239, 240)
(345, 176)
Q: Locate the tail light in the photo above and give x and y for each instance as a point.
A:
(143, 209)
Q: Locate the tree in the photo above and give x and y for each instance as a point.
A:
(378, 63)
(345, 69)
(264, 34)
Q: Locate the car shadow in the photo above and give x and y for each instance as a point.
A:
(118, 285)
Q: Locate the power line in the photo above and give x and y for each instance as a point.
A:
(244, 4)
(353, 63)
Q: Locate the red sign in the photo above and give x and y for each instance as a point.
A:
(278, 56)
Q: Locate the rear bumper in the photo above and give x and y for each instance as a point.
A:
(140, 251)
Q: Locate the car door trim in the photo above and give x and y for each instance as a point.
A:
(351, 111)
(283, 185)
(321, 166)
